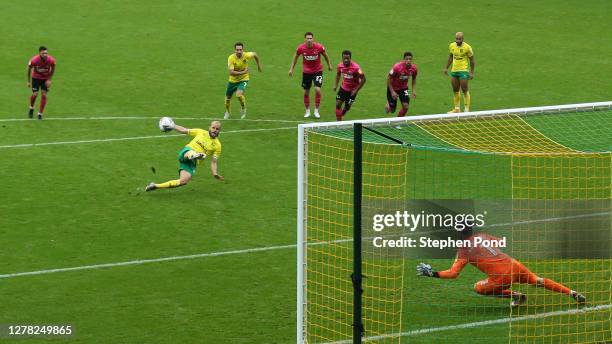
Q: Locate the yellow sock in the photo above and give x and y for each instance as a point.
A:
(227, 104)
(466, 99)
(169, 184)
(457, 100)
(242, 100)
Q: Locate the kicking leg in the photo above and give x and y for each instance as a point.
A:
(184, 178)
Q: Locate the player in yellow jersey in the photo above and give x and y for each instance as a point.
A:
(460, 53)
(238, 66)
(204, 144)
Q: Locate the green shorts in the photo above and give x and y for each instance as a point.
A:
(184, 164)
(234, 86)
(460, 75)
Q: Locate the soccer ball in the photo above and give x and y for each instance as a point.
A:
(166, 124)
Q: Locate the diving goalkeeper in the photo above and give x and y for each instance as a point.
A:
(502, 271)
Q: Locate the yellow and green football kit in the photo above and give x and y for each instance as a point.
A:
(461, 55)
(201, 143)
(239, 64)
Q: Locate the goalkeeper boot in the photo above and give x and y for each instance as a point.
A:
(466, 109)
(150, 187)
(578, 297)
(31, 113)
(226, 115)
(455, 110)
(518, 299)
(242, 113)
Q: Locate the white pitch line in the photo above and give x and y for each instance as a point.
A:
(200, 255)
(114, 118)
(147, 261)
(480, 323)
(24, 145)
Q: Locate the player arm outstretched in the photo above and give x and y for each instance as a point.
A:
(452, 273)
(337, 80)
(29, 75)
(181, 129)
(259, 67)
(472, 65)
(213, 168)
(51, 72)
(295, 58)
(448, 63)
(329, 67)
(362, 81)
(390, 87)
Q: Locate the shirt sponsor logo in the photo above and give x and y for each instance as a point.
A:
(311, 57)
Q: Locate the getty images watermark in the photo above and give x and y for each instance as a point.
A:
(435, 224)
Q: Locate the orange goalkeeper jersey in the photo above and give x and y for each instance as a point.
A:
(490, 260)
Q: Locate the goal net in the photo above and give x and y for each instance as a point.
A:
(540, 178)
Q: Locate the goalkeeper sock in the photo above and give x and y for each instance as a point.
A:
(169, 184)
(554, 286)
(307, 101)
(457, 100)
(242, 100)
(466, 99)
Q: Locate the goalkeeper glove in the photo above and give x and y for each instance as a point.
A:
(426, 270)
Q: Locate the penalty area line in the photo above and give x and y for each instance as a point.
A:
(26, 145)
(481, 323)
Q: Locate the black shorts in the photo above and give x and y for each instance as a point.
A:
(402, 95)
(345, 96)
(308, 79)
(39, 84)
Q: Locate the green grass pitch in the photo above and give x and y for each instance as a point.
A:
(77, 204)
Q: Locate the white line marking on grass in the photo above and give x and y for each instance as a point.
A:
(481, 323)
(200, 255)
(114, 118)
(24, 145)
(147, 261)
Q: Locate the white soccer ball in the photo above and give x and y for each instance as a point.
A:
(166, 124)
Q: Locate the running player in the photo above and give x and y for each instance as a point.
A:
(238, 66)
(397, 84)
(312, 70)
(40, 71)
(353, 80)
(205, 143)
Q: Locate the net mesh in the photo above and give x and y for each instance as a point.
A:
(542, 165)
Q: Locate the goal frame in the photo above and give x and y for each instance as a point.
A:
(301, 282)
